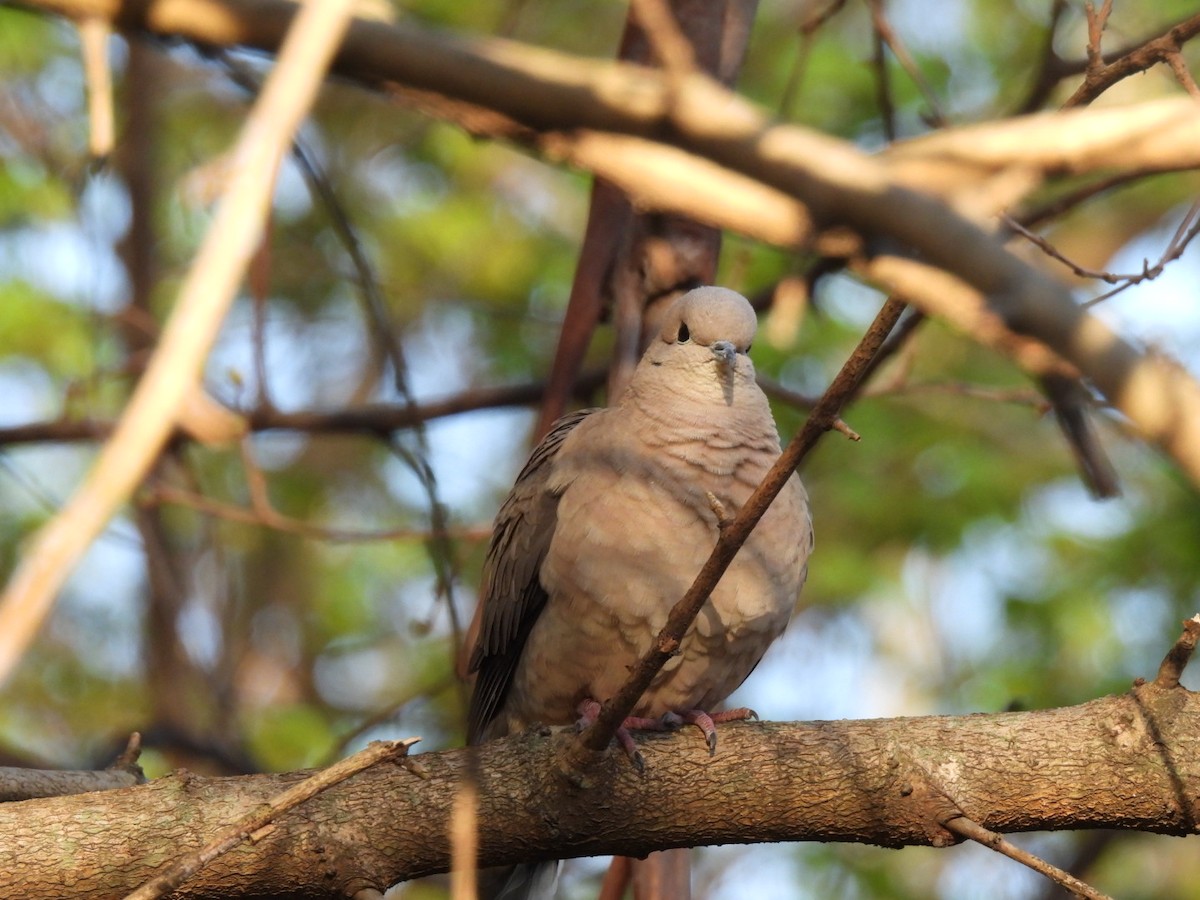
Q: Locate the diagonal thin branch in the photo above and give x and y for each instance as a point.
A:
(175, 367)
(968, 828)
(244, 829)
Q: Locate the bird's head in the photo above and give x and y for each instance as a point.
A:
(703, 344)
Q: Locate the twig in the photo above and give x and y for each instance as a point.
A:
(806, 37)
(1050, 71)
(1187, 230)
(885, 33)
(731, 537)
(464, 841)
(1100, 77)
(245, 828)
(28, 783)
(967, 828)
(1183, 74)
(164, 493)
(670, 45)
(420, 690)
(20, 783)
(387, 341)
(174, 368)
(379, 419)
(1177, 657)
(94, 33)
(1096, 23)
(883, 82)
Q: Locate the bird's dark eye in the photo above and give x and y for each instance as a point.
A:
(748, 346)
(684, 334)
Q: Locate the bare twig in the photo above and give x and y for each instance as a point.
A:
(275, 520)
(1182, 73)
(805, 38)
(175, 366)
(1177, 657)
(670, 45)
(28, 784)
(614, 711)
(379, 419)
(93, 38)
(967, 828)
(1099, 77)
(883, 81)
(1049, 72)
(885, 33)
(244, 829)
(1187, 230)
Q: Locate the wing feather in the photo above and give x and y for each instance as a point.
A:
(511, 592)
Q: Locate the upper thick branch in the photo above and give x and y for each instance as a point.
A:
(553, 92)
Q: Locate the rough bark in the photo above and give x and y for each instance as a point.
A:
(1128, 762)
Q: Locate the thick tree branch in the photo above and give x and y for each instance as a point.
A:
(838, 184)
(1126, 762)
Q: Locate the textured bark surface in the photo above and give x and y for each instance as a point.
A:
(1129, 761)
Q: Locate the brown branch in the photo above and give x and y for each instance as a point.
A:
(733, 534)
(379, 419)
(247, 827)
(670, 46)
(1050, 70)
(1130, 762)
(887, 34)
(175, 366)
(1099, 77)
(27, 784)
(1187, 230)
(94, 37)
(276, 521)
(1182, 73)
(1177, 658)
(963, 826)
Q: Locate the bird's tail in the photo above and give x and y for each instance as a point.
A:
(527, 881)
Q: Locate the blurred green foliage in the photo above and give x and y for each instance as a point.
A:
(954, 538)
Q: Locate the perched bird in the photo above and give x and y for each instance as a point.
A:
(610, 521)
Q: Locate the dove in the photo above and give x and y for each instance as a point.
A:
(611, 519)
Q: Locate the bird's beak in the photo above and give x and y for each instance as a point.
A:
(724, 351)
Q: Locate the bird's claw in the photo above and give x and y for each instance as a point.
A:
(669, 721)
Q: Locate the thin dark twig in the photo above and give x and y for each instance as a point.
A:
(1099, 76)
(1187, 230)
(279, 522)
(886, 34)
(1057, 206)
(1050, 71)
(387, 336)
(806, 37)
(883, 81)
(370, 419)
(1096, 23)
(968, 828)
(615, 710)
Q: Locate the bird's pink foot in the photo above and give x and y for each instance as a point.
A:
(588, 711)
(707, 723)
